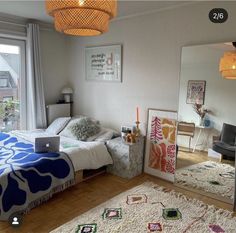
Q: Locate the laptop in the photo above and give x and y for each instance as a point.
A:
(47, 144)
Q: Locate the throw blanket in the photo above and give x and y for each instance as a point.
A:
(28, 178)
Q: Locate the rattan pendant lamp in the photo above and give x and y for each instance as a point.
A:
(82, 17)
(228, 64)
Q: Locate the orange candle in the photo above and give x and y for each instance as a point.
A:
(137, 114)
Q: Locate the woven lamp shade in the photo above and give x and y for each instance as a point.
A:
(228, 65)
(82, 17)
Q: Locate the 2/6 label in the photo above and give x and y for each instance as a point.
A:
(218, 15)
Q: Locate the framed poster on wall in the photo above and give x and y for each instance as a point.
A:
(160, 155)
(103, 63)
(196, 92)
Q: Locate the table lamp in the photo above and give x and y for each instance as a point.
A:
(67, 93)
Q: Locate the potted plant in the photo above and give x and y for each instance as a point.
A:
(9, 115)
(201, 111)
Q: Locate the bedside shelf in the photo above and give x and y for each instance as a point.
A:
(127, 158)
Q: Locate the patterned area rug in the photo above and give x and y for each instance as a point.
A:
(213, 177)
(151, 208)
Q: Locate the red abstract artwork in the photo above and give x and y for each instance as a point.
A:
(163, 144)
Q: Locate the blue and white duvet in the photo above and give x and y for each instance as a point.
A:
(28, 178)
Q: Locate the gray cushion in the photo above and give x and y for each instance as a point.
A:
(81, 128)
(224, 148)
(84, 128)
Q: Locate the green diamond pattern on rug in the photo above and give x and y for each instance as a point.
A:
(171, 214)
(87, 228)
(112, 213)
(152, 227)
(136, 199)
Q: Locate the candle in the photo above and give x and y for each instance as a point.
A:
(137, 114)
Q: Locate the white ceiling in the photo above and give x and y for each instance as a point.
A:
(34, 9)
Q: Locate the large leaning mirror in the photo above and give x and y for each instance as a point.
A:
(207, 123)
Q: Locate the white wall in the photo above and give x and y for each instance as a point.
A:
(54, 64)
(151, 61)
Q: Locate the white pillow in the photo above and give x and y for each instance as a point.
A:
(58, 125)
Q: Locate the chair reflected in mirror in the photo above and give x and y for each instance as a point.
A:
(186, 129)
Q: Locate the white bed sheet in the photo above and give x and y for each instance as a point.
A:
(84, 155)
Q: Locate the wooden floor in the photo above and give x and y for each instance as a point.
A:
(78, 199)
(186, 158)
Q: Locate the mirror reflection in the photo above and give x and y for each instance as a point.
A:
(207, 123)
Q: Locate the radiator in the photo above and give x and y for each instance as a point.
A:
(57, 110)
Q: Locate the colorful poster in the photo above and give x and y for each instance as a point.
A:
(160, 155)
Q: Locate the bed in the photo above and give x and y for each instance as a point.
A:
(28, 178)
(84, 155)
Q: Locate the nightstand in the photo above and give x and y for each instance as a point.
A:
(127, 158)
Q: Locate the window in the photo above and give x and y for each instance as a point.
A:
(12, 85)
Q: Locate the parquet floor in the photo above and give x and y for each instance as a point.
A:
(186, 158)
(78, 199)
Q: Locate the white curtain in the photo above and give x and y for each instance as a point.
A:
(36, 112)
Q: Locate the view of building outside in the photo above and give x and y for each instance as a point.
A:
(9, 87)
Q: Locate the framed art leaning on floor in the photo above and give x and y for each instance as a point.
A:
(160, 153)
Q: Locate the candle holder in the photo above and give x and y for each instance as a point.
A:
(137, 131)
